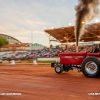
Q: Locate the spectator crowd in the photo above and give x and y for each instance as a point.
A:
(42, 53)
(45, 52)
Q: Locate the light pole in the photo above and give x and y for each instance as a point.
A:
(47, 35)
(31, 39)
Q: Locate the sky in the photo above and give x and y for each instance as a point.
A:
(21, 18)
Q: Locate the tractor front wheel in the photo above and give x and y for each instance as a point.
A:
(59, 69)
(91, 67)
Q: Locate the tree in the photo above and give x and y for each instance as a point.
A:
(3, 41)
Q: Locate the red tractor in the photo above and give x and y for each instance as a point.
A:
(88, 63)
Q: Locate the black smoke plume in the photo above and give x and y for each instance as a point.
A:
(86, 10)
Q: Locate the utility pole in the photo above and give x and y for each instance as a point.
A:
(31, 39)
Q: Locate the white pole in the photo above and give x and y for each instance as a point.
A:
(12, 62)
(76, 48)
(31, 39)
(35, 61)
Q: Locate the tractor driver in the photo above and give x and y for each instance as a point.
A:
(96, 48)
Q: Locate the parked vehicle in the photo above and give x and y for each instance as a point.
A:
(7, 56)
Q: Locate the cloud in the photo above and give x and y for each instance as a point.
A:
(17, 17)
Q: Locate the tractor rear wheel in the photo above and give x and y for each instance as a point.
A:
(59, 69)
(91, 67)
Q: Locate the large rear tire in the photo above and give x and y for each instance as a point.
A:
(91, 67)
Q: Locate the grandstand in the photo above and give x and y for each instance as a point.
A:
(67, 34)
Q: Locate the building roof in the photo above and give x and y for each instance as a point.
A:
(16, 45)
(37, 45)
(67, 34)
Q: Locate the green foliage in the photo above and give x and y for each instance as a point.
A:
(3, 41)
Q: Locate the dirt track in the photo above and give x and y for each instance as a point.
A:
(40, 82)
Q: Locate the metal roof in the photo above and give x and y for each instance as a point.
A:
(67, 34)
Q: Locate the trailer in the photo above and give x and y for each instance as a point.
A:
(87, 63)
